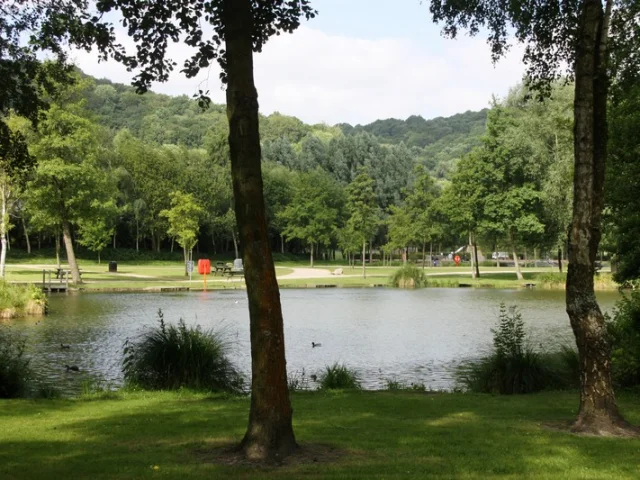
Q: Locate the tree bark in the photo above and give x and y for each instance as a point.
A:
(424, 252)
(185, 257)
(269, 436)
(516, 263)
(475, 254)
(598, 413)
(71, 256)
(26, 235)
(58, 249)
(364, 259)
(311, 259)
(235, 243)
(3, 230)
(560, 260)
(473, 258)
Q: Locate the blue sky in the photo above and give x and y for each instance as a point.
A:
(358, 61)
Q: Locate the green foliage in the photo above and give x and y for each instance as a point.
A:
(394, 385)
(168, 357)
(184, 219)
(624, 334)
(18, 296)
(508, 337)
(14, 367)
(409, 276)
(623, 174)
(513, 367)
(313, 214)
(338, 377)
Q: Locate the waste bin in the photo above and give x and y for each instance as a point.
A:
(113, 266)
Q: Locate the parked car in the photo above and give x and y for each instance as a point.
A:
(500, 256)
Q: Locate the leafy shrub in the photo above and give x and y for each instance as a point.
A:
(513, 367)
(338, 377)
(19, 296)
(624, 332)
(14, 367)
(409, 276)
(170, 357)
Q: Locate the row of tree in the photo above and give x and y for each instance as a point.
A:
(340, 192)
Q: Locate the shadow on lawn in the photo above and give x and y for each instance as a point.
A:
(399, 435)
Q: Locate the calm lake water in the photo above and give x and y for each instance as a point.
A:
(407, 335)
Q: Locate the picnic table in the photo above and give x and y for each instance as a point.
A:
(62, 273)
(221, 267)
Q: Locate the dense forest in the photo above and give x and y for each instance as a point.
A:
(151, 173)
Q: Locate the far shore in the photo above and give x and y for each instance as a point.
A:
(169, 277)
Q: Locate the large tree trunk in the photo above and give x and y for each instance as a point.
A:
(71, 256)
(270, 433)
(598, 412)
(311, 258)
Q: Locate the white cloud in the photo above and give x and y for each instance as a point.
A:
(330, 78)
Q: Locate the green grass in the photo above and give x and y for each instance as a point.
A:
(382, 435)
(158, 274)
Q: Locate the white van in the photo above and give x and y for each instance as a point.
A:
(500, 256)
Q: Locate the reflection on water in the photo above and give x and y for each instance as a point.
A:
(410, 336)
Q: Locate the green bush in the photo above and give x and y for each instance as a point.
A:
(409, 276)
(624, 332)
(18, 296)
(169, 357)
(513, 367)
(14, 367)
(338, 377)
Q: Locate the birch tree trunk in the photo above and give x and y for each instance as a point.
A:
(598, 412)
(26, 235)
(3, 229)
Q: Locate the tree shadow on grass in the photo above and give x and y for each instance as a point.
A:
(378, 435)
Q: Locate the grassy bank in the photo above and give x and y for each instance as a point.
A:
(161, 274)
(374, 434)
(17, 300)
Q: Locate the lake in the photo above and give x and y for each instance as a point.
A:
(410, 336)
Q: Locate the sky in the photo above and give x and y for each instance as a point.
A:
(356, 62)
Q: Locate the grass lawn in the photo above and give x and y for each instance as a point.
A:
(380, 435)
(160, 274)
